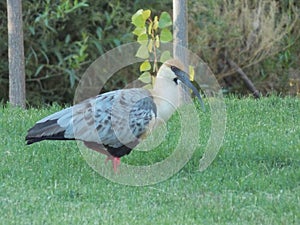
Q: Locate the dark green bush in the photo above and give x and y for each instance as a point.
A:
(62, 38)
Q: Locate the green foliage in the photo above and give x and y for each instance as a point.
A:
(253, 180)
(60, 43)
(59, 52)
(165, 20)
(249, 32)
(62, 38)
(150, 32)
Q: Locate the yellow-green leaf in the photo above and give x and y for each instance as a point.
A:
(137, 19)
(143, 39)
(139, 30)
(192, 73)
(146, 14)
(150, 45)
(165, 20)
(145, 66)
(142, 52)
(165, 56)
(157, 41)
(166, 35)
(148, 86)
(145, 77)
(150, 28)
(155, 23)
(139, 12)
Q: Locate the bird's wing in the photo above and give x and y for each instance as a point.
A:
(112, 119)
(124, 117)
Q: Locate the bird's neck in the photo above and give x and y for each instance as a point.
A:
(166, 97)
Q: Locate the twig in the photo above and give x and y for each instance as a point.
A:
(245, 78)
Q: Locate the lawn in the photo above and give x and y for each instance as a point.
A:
(255, 179)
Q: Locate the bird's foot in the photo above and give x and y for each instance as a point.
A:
(115, 162)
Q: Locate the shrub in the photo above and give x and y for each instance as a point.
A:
(247, 32)
(61, 39)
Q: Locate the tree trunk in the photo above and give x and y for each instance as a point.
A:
(180, 39)
(16, 53)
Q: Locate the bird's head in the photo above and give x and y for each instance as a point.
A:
(173, 70)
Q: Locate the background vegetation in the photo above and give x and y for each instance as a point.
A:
(62, 38)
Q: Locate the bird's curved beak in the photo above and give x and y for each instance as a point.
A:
(184, 78)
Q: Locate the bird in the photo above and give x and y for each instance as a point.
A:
(115, 122)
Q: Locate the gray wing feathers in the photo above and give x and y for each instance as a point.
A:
(114, 118)
(128, 112)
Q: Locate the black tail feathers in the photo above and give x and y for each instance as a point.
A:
(48, 130)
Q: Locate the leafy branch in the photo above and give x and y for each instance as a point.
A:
(151, 32)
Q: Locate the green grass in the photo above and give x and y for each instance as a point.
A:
(255, 178)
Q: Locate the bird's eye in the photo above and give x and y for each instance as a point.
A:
(175, 80)
(173, 68)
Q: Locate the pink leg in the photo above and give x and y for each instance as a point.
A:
(96, 147)
(115, 162)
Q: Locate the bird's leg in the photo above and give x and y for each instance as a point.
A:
(115, 162)
(96, 147)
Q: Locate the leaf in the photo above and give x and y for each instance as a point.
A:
(166, 35)
(137, 19)
(146, 14)
(72, 77)
(145, 77)
(99, 32)
(145, 66)
(150, 45)
(157, 41)
(165, 56)
(38, 70)
(117, 42)
(143, 39)
(155, 23)
(138, 13)
(150, 28)
(148, 86)
(139, 30)
(32, 30)
(192, 73)
(165, 20)
(142, 52)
